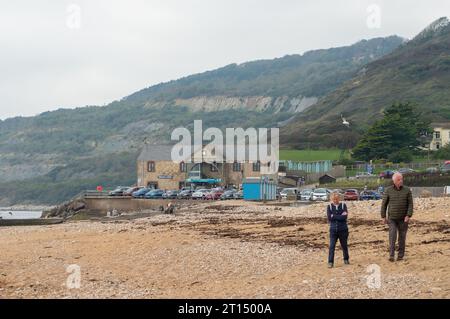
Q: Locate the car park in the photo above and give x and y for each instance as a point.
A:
(360, 175)
(306, 194)
(386, 174)
(131, 190)
(171, 194)
(228, 194)
(185, 194)
(238, 195)
(141, 192)
(119, 191)
(320, 194)
(285, 192)
(369, 195)
(432, 170)
(406, 170)
(155, 194)
(351, 194)
(446, 167)
(200, 193)
(214, 195)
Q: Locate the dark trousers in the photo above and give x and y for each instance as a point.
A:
(342, 235)
(397, 226)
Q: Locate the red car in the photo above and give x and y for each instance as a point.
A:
(351, 194)
(214, 195)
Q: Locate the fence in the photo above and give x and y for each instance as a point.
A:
(415, 166)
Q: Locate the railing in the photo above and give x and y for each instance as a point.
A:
(89, 193)
(308, 167)
(419, 165)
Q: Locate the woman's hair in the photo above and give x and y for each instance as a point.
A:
(335, 194)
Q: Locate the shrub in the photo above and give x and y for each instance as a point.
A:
(403, 155)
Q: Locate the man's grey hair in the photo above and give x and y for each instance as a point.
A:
(397, 174)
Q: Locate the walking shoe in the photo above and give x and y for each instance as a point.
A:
(391, 259)
(346, 262)
(399, 258)
(330, 265)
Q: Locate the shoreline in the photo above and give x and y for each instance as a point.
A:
(25, 208)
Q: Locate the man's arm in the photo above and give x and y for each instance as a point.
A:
(410, 204)
(384, 204)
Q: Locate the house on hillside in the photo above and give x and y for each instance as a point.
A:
(441, 135)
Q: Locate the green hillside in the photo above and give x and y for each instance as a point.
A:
(416, 72)
(51, 157)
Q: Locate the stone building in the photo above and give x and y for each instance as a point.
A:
(155, 168)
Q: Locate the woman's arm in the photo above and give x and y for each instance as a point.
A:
(329, 214)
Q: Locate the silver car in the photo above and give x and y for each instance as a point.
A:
(320, 194)
(306, 194)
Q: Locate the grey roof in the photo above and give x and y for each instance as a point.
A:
(444, 125)
(156, 153)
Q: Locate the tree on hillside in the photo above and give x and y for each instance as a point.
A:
(395, 136)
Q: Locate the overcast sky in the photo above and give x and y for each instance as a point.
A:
(59, 53)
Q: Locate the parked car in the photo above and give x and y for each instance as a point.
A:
(238, 195)
(386, 174)
(363, 175)
(369, 195)
(141, 193)
(200, 193)
(288, 191)
(432, 170)
(306, 194)
(214, 195)
(119, 191)
(320, 194)
(445, 168)
(170, 194)
(406, 170)
(351, 194)
(185, 194)
(155, 194)
(131, 190)
(228, 194)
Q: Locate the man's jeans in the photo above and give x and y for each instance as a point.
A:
(397, 225)
(342, 235)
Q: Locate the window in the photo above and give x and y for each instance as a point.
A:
(438, 146)
(153, 185)
(236, 167)
(437, 134)
(151, 166)
(213, 167)
(257, 166)
(182, 167)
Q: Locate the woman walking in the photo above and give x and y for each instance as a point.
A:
(337, 217)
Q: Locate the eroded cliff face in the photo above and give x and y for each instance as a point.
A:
(255, 103)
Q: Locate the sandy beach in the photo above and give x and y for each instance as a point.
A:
(228, 249)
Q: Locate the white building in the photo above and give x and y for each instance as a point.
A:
(441, 135)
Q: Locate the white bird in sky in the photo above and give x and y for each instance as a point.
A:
(344, 121)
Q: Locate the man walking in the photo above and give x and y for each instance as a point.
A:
(397, 200)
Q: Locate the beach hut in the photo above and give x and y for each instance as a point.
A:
(259, 188)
